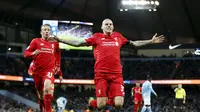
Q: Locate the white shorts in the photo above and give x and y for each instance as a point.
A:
(147, 101)
(61, 107)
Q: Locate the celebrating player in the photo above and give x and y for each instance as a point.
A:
(137, 94)
(147, 89)
(46, 62)
(108, 69)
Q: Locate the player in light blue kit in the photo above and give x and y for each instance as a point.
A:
(61, 103)
(146, 94)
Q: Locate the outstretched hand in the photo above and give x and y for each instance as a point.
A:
(158, 39)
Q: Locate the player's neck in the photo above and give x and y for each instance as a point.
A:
(107, 33)
(45, 38)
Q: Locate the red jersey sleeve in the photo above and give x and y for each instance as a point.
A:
(123, 40)
(60, 73)
(92, 40)
(30, 49)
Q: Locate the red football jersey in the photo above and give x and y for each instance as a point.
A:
(107, 51)
(137, 91)
(45, 61)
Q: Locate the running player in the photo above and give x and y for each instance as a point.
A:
(46, 62)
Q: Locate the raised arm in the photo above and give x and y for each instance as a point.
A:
(155, 39)
(176, 90)
(71, 41)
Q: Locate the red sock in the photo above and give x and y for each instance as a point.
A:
(110, 102)
(48, 98)
(41, 103)
(93, 103)
(136, 107)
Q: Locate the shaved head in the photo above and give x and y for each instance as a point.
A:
(106, 20)
(107, 26)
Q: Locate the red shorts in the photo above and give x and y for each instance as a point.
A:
(40, 79)
(139, 100)
(109, 85)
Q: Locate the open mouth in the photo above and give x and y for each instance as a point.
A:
(108, 29)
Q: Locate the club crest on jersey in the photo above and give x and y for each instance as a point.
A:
(41, 44)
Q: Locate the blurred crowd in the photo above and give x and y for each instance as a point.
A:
(11, 65)
(8, 105)
(83, 68)
(78, 99)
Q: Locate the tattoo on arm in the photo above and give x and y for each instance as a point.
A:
(140, 42)
(72, 41)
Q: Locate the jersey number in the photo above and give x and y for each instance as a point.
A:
(49, 74)
(122, 89)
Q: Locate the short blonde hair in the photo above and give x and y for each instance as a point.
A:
(46, 25)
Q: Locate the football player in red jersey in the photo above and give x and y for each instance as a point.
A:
(137, 96)
(46, 62)
(108, 69)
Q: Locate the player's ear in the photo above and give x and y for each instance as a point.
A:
(102, 27)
